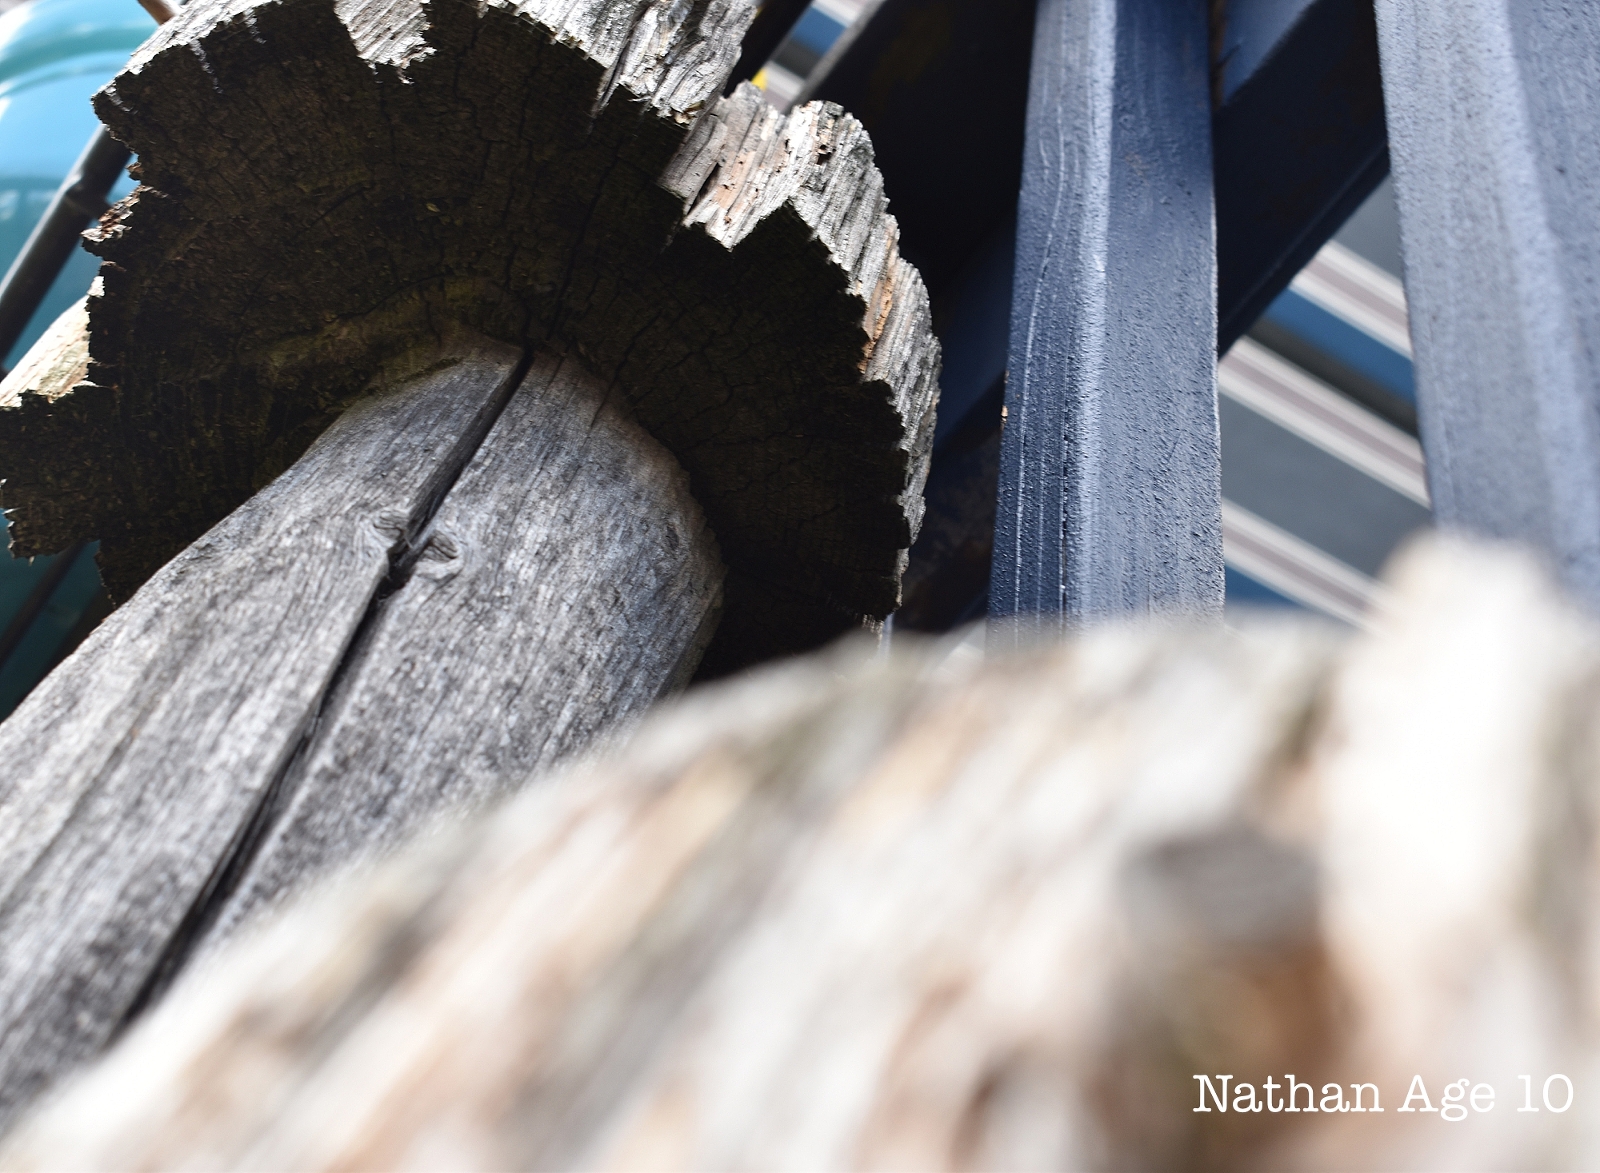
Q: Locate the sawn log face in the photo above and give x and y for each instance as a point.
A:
(321, 181)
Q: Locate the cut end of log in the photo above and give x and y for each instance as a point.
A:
(322, 183)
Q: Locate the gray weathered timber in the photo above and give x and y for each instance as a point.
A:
(567, 581)
(1492, 108)
(133, 771)
(1110, 489)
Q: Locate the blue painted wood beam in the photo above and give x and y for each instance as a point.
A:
(1110, 476)
(1494, 107)
(1299, 141)
(1298, 130)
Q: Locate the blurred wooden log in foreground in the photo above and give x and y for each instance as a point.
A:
(932, 911)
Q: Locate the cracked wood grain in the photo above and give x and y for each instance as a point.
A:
(332, 663)
(568, 581)
(133, 769)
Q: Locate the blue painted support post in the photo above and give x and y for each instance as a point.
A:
(1494, 134)
(1110, 482)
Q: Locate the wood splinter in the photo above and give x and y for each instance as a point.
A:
(458, 380)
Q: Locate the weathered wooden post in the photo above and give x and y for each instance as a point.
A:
(578, 354)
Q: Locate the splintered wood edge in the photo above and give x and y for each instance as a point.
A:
(744, 160)
(655, 53)
(55, 364)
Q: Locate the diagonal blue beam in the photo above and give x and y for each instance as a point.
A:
(1493, 109)
(1298, 136)
(1109, 499)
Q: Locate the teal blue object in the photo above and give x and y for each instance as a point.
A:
(54, 54)
(49, 634)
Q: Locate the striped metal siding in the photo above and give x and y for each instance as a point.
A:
(1323, 476)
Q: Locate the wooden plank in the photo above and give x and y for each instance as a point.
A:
(1492, 106)
(133, 771)
(1109, 498)
(567, 581)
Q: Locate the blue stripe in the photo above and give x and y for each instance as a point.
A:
(817, 31)
(32, 658)
(1347, 343)
(1242, 589)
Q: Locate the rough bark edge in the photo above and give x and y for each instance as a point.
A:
(744, 161)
